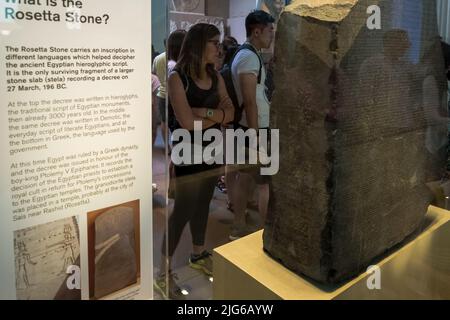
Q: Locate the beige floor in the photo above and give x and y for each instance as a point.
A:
(196, 283)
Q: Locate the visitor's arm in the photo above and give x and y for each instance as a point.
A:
(224, 113)
(225, 101)
(248, 83)
(183, 112)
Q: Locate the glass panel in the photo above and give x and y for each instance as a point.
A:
(347, 103)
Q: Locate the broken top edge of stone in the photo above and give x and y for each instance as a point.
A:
(324, 10)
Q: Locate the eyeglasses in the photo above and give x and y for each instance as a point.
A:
(215, 42)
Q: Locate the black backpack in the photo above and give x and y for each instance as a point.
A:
(228, 78)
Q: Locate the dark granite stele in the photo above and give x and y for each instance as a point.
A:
(355, 111)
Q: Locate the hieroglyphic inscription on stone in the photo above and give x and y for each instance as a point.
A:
(361, 124)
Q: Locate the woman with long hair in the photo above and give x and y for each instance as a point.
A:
(197, 93)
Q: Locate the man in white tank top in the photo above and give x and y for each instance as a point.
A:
(251, 95)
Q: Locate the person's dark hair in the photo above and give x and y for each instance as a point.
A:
(396, 43)
(191, 55)
(229, 54)
(392, 37)
(174, 43)
(229, 46)
(257, 19)
(446, 52)
(229, 41)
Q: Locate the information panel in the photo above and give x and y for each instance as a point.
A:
(75, 218)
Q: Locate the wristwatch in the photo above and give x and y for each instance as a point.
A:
(209, 113)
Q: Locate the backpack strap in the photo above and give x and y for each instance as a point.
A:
(252, 49)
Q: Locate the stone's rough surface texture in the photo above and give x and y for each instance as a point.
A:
(115, 257)
(356, 110)
(324, 10)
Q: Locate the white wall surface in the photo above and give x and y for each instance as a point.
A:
(241, 8)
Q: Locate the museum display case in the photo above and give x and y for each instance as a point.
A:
(359, 97)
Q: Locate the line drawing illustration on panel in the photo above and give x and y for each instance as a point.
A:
(43, 254)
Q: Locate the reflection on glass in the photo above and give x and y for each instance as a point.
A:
(382, 92)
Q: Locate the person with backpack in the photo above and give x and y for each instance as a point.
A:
(196, 93)
(230, 46)
(252, 111)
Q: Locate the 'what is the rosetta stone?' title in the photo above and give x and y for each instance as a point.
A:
(41, 10)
